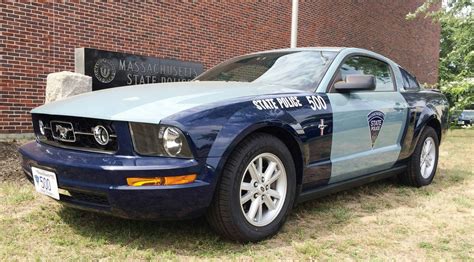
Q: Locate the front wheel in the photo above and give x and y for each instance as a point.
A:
(256, 191)
(424, 160)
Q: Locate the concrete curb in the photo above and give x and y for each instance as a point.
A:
(11, 137)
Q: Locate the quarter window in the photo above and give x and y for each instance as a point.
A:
(362, 65)
(409, 81)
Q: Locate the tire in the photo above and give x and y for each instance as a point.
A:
(418, 175)
(233, 220)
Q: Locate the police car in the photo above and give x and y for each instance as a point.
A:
(242, 143)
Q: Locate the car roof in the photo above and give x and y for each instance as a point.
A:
(346, 50)
(319, 48)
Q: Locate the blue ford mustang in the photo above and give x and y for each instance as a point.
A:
(242, 143)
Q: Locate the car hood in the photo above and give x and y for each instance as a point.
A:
(152, 102)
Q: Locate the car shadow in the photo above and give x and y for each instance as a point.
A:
(195, 237)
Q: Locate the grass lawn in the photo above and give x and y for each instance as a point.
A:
(379, 221)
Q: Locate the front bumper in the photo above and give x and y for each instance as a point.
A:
(97, 182)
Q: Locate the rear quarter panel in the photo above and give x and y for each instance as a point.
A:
(424, 106)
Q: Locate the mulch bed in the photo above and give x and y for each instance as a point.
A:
(10, 169)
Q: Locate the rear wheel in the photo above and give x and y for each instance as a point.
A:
(256, 191)
(424, 160)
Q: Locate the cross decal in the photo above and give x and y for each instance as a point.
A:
(322, 126)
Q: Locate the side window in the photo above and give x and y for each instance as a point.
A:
(409, 81)
(362, 65)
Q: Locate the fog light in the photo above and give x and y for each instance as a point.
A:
(101, 135)
(161, 181)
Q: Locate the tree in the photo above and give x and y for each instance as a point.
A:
(456, 65)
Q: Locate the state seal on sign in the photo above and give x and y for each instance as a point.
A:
(104, 71)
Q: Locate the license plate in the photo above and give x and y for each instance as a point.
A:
(460, 122)
(45, 182)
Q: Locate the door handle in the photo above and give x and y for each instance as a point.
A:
(399, 107)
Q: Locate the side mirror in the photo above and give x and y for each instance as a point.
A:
(356, 82)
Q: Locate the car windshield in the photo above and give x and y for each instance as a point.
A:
(301, 69)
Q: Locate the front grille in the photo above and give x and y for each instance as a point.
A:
(74, 132)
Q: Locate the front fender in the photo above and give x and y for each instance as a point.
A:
(214, 132)
(246, 122)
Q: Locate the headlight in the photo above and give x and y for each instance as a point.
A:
(156, 140)
(172, 141)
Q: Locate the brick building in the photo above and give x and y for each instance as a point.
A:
(39, 38)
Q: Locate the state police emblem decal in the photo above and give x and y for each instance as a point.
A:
(375, 119)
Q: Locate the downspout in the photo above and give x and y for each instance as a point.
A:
(294, 23)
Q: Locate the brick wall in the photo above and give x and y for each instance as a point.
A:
(39, 38)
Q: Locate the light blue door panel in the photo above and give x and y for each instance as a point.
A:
(353, 153)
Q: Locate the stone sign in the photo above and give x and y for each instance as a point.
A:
(112, 69)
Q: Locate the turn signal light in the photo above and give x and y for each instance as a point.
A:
(161, 181)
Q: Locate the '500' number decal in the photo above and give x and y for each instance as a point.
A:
(316, 102)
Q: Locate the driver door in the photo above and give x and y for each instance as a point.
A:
(367, 124)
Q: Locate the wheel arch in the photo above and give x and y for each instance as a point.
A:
(436, 125)
(429, 118)
(291, 143)
(284, 132)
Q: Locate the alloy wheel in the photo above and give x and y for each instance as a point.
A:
(263, 189)
(427, 158)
